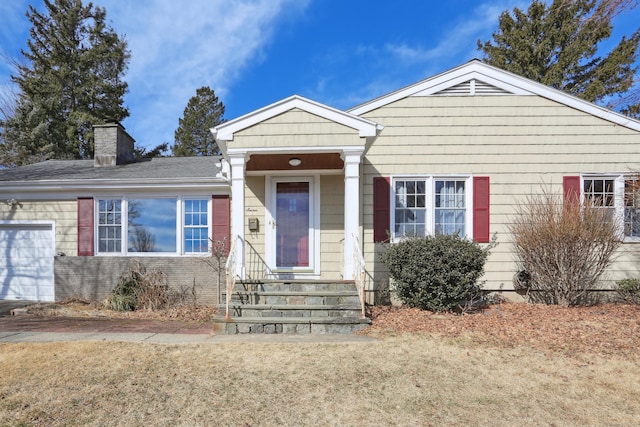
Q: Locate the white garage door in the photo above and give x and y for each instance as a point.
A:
(26, 261)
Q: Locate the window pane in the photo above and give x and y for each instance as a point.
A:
(152, 225)
(599, 192)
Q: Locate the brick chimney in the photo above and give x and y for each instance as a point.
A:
(112, 145)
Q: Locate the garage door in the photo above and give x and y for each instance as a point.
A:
(26, 261)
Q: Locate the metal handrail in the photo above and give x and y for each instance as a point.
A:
(231, 275)
(359, 271)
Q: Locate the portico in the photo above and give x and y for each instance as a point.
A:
(287, 209)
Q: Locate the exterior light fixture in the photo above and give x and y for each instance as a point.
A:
(294, 161)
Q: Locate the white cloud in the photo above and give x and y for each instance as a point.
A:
(177, 47)
(398, 64)
(462, 37)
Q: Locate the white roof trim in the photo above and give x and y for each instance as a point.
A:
(225, 131)
(289, 150)
(499, 78)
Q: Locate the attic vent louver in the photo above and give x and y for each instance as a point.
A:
(470, 88)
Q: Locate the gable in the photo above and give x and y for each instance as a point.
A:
(226, 131)
(296, 128)
(478, 79)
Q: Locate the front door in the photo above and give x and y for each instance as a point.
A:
(293, 224)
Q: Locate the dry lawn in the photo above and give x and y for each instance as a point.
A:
(437, 374)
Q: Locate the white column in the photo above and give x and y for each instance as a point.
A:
(351, 207)
(237, 162)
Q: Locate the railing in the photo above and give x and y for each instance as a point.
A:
(230, 269)
(359, 271)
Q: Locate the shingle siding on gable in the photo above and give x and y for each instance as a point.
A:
(296, 128)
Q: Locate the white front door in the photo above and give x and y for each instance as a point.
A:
(293, 210)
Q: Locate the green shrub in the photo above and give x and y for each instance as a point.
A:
(629, 290)
(123, 297)
(436, 273)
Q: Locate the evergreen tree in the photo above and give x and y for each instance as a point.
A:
(193, 137)
(71, 80)
(557, 45)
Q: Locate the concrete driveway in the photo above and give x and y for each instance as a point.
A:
(7, 305)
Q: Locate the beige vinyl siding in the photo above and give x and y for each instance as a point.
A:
(255, 207)
(296, 128)
(62, 212)
(331, 225)
(521, 142)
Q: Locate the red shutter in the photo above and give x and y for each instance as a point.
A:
(220, 220)
(381, 209)
(571, 189)
(481, 209)
(85, 226)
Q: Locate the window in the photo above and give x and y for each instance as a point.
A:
(196, 232)
(153, 225)
(450, 207)
(410, 207)
(109, 226)
(632, 208)
(430, 205)
(618, 194)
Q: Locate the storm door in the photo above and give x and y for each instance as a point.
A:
(293, 224)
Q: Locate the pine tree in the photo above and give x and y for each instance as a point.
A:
(557, 45)
(71, 80)
(193, 137)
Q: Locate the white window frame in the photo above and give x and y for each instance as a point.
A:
(618, 202)
(124, 226)
(430, 183)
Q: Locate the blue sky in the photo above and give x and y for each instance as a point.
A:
(255, 52)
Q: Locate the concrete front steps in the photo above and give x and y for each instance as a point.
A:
(292, 307)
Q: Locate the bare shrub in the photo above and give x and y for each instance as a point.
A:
(142, 289)
(563, 249)
(219, 250)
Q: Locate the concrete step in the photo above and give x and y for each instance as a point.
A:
(295, 285)
(296, 298)
(292, 307)
(291, 310)
(289, 325)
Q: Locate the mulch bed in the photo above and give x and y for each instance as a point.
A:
(608, 329)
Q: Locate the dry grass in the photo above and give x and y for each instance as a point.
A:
(399, 380)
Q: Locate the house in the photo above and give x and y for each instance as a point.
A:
(307, 191)
(70, 228)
